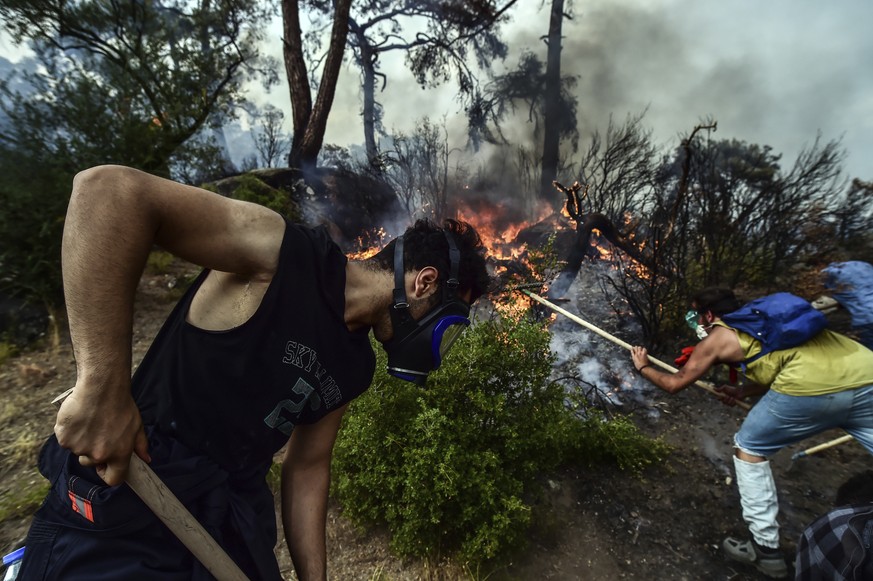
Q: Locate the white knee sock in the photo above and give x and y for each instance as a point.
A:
(758, 498)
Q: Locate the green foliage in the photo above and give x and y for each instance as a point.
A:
(132, 82)
(33, 194)
(24, 503)
(251, 189)
(274, 477)
(618, 440)
(7, 350)
(159, 262)
(454, 468)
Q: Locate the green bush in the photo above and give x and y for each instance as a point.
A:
(251, 189)
(33, 198)
(24, 501)
(618, 440)
(453, 469)
(159, 262)
(7, 350)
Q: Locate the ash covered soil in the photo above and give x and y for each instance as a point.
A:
(593, 523)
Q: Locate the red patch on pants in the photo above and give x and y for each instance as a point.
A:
(82, 506)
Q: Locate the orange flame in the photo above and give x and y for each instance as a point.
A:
(368, 244)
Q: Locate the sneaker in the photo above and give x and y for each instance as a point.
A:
(770, 564)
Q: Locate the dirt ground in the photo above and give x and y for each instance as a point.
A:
(594, 523)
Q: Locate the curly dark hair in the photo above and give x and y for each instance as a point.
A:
(424, 244)
(718, 299)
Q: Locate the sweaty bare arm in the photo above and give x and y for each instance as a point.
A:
(305, 485)
(114, 218)
(720, 346)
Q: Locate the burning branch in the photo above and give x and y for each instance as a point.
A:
(682, 191)
(586, 223)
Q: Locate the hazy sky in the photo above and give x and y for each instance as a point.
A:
(772, 72)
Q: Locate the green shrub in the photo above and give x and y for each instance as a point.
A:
(33, 198)
(24, 501)
(7, 350)
(250, 189)
(159, 262)
(618, 440)
(453, 469)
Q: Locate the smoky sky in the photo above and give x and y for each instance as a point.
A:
(774, 73)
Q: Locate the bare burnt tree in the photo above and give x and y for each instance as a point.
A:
(271, 143)
(852, 218)
(618, 169)
(713, 212)
(523, 89)
(419, 169)
(655, 288)
(750, 216)
(438, 39)
(815, 185)
(617, 172)
(400, 171)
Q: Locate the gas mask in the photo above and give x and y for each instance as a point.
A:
(418, 347)
(691, 318)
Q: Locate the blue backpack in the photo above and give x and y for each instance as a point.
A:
(778, 321)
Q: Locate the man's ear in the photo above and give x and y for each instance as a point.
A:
(425, 282)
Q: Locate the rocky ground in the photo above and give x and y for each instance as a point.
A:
(596, 523)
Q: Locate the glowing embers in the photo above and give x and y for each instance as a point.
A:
(368, 244)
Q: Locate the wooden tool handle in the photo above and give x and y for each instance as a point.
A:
(701, 384)
(161, 500)
(155, 494)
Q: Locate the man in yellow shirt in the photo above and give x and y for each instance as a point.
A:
(825, 383)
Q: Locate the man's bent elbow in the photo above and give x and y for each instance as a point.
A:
(97, 178)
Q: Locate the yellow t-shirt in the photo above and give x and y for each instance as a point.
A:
(827, 363)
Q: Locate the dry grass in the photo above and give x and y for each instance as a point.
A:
(22, 449)
(23, 502)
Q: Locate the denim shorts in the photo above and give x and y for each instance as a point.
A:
(779, 420)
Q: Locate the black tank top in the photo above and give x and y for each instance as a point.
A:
(236, 395)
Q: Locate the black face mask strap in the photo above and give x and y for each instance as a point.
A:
(400, 309)
(452, 284)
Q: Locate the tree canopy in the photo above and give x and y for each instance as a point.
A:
(132, 82)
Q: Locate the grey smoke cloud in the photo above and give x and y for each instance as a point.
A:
(773, 73)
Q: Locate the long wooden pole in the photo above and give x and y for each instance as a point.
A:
(820, 447)
(701, 384)
(170, 510)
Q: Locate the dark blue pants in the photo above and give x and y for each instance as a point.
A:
(88, 531)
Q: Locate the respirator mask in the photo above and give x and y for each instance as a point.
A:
(691, 318)
(418, 347)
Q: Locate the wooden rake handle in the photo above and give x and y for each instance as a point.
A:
(701, 384)
(161, 500)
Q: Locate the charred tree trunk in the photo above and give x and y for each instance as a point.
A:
(582, 248)
(368, 58)
(310, 121)
(298, 78)
(586, 223)
(552, 105)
